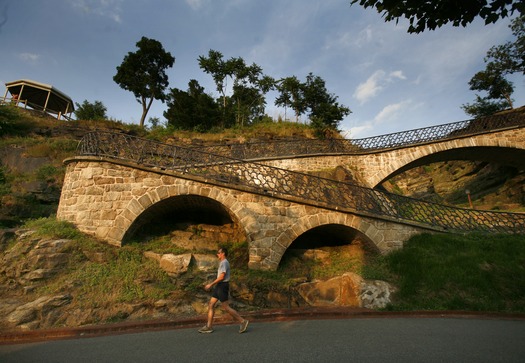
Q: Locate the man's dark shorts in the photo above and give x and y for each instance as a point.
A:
(221, 291)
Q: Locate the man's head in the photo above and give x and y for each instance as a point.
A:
(222, 252)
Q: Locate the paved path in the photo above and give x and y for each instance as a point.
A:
(358, 339)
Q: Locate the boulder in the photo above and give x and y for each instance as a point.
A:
(153, 256)
(205, 262)
(338, 291)
(375, 294)
(37, 309)
(175, 264)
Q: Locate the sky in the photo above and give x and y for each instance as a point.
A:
(391, 80)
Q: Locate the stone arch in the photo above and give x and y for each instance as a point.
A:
(426, 155)
(212, 204)
(372, 235)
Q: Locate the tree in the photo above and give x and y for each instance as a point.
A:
(483, 107)
(144, 73)
(322, 105)
(219, 70)
(291, 94)
(501, 60)
(248, 94)
(510, 57)
(192, 109)
(90, 111)
(436, 13)
(249, 85)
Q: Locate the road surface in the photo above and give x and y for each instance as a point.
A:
(399, 339)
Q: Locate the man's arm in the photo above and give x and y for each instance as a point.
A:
(216, 281)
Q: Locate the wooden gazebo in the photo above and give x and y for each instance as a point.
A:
(40, 96)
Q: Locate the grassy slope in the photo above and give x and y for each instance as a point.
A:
(432, 272)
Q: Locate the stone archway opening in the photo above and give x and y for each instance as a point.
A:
(192, 222)
(324, 247)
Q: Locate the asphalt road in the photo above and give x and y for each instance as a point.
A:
(401, 339)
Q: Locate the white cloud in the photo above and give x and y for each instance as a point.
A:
(341, 41)
(398, 75)
(29, 57)
(105, 8)
(356, 131)
(364, 37)
(194, 4)
(391, 111)
(375, 84)
(369, 88)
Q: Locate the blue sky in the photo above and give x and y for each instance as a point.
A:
(391, 80)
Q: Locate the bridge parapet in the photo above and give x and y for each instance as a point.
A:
(286, 184)
(257, 150)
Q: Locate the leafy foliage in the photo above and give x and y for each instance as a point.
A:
(90, 111)
(291, 93)
(501, 60)
(9, 120)
(313, 98)
(510, 57)
(436, 13)
(144, 73)
(249, 85)
(192, 109)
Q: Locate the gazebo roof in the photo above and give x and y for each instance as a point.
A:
(41, 96)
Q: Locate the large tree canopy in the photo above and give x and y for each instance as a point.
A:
(144, 73)
(249, 85)
(291, 93)
(313, 98)
(501, 61)
(432, 14)
(90, 111)
(192, 109)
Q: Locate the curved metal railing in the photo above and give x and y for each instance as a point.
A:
(258, 150)
(282, 183)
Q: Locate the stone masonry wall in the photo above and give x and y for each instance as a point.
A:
(103, 199)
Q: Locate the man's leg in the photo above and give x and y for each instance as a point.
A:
(211, 311)
(234, 314)
(225, 305)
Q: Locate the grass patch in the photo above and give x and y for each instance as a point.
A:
(454, 272)
(121, 279)
(115, 275)
(51, 228)
(57, 149)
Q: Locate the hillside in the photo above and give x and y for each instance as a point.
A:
(51, 275)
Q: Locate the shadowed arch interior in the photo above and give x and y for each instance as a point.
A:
(338, 239)
(328, 235)
(164, 216)
(498, 155)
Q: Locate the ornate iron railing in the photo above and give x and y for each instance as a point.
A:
(284, 184)
(258, 150)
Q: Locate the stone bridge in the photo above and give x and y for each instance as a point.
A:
(119, 184)
(112, 200)
(370, 169)
(499, 139)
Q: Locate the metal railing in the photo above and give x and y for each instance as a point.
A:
(259, 150)
(263, 179)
